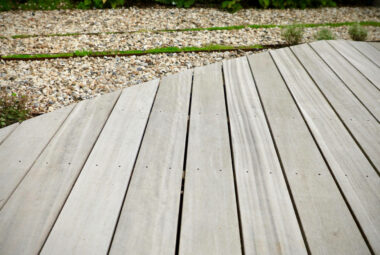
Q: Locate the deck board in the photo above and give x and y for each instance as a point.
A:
(367, 50)
(368, 94)
(36, 203)
(362, 63)
(209, 216)
(23, 146)
(355, 176)
(5, 132)
(352, 113)
(375, 44)
(274, 153)
(268, 219)
(85, 226)
(153, 195)
(331, 229)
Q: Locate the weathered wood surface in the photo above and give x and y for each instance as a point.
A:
(331, 231)
(362, 88)
(376, 45)
(367, 50)
(346, 105)
(358, 60)
(23, 146)
(86, 226)
(271, 154)
(356, 177)
(151, 207)
(31, 211)
(268, 220)
(5, 132)
(209, 216)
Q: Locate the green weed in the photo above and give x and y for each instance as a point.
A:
(358, 32)
(13, 108)
(324, 34)
(292, 34)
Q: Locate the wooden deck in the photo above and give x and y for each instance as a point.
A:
(274, 153)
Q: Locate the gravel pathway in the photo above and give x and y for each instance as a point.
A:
(54, 83)
(51, 84)
(132, 19)
(144, 41)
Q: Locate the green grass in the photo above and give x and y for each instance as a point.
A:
(292, 35)
(263, 26)
(358, 32)
(324, 34)
(21, 36)
(84, 53)
(36, 56)
(201, 29)
(340, 24)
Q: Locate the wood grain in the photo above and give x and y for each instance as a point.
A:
(368, 94)
(356, 177)
(375, 44)
(209, 216)
(279, 158)
(148, 221)
(6, 131)
(331, 229)
(31, 211)
(359, 61)
(19, 151)
(367, 50)
(362, 125)
(87, 220)
(268, 219)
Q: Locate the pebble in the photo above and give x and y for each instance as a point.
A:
(138, 41)
(161, 17)
(51, 84)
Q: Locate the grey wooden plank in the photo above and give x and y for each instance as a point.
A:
(209, 215)
(25, 221)
(368, 94)
(362, 125)
(21, 149)
(356, 177)
(375, 44)
(148, 221)
(331, 229)
(268, 220)
(363, 64)
(6, 131)
(367, 50)
(87, 221)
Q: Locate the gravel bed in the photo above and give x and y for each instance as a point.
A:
(54, 83)
(51, 84)
(132, 19)
(144, 41)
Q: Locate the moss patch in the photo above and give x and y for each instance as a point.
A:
(84, 53)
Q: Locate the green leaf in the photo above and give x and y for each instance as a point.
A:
(225, 4)
(189, 3)
(88, 3)
(264, 3)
